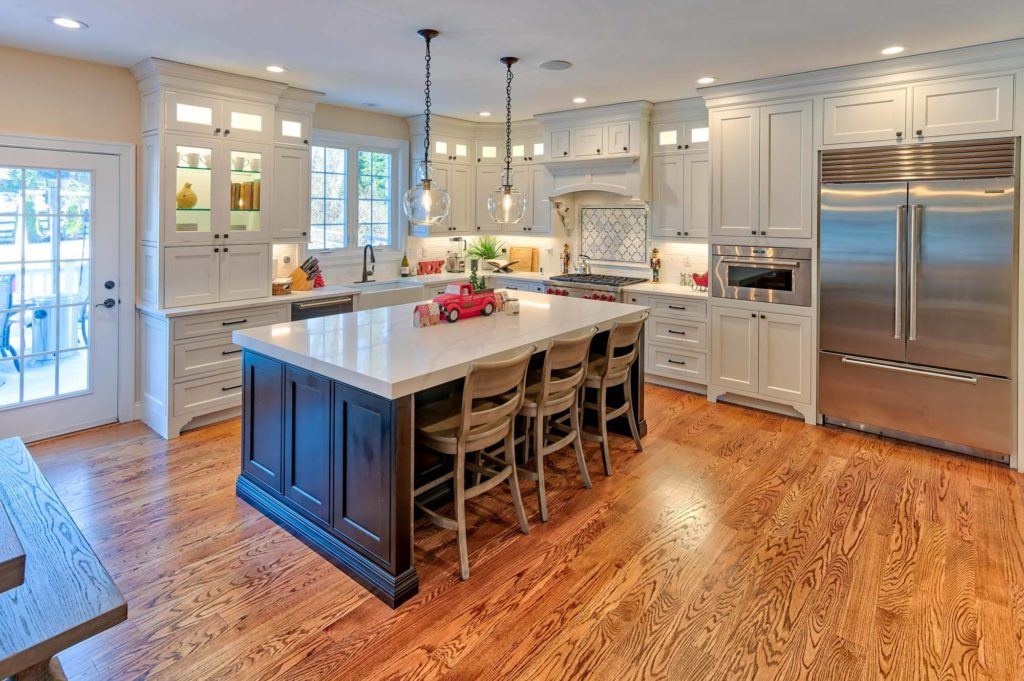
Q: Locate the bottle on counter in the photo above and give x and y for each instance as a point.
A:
(405, 265)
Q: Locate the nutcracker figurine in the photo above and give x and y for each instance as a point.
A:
(655, 266)
(566, 259)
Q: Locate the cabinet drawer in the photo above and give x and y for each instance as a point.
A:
(678, 308)
(204, 356)
(687, 366)
(216, 322)
(678, 333)
(206, 395)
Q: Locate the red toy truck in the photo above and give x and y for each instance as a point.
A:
(460, 300)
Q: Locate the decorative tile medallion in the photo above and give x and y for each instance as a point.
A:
(615, 234)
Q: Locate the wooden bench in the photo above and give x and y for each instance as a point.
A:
(67, 595)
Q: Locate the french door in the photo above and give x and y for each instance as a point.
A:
(58, 291)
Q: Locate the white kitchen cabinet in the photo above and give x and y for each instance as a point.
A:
(963, 106)
(618, 139)
(734, 348)
(762, 353)
(559, 144)
(488, 179)
(667, 196)
(458, 181)
(535, 182)
(292, 128)
(786, 174)
(696, 195)
(784, 356)
(879, 116)
(668, 138)
(191, 113)
(444, 149)
(290, 208)
(248, 121)
(490, 152)
(588, 142)
(244, 271)
(735, 148)
(191, 275)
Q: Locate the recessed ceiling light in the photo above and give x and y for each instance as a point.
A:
(579, 100)
(895, 49)
(705, 80)
(67, 22)
(555, 65)
(485, 114)
(276, 69)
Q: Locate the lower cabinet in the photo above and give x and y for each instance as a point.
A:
(262, 430)
(763, 353)
(307, 446)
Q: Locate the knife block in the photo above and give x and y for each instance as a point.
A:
(300, 282)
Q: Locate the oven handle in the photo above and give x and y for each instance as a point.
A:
(762, 263)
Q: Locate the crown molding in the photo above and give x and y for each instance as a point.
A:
(154, 73)
(689, 109)
(624, 111)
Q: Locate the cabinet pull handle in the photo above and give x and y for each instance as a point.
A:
(231, 352)
(676, 361)
(232, 323)
(676, 307)
(678, 333)
(227, 388)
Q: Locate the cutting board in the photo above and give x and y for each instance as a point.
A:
(529, 258)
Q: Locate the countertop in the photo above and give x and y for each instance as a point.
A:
(380, 350)
(666, 289)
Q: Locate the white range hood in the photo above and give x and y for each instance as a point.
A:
(602, 149)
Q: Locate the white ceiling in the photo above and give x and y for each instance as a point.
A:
(367, 51)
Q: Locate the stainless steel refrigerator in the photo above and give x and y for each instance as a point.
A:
(918, 281)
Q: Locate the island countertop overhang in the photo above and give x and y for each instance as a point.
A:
(381, 352)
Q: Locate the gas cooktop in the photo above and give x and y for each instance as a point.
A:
(597, 279)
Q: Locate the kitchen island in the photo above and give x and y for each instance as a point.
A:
(328, 419)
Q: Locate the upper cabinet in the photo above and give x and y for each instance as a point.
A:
(868, 117)
(588, 142)
(963, 107)
(293, 128)
(920, 112)
(618, 142)
(668, 138)
(490, 152)
(762, 164)
(227, 118)
(559, 144)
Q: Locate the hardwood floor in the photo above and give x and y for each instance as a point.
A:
(739, 544)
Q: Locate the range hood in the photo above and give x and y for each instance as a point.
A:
(600, 149)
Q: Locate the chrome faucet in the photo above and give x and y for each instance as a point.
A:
(367, 273)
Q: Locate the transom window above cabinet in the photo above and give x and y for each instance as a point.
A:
(685, 136)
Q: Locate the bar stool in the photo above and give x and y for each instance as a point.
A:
(554, 391)
(610, 370)
(483, 416)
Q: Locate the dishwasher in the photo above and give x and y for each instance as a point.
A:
(323, 307)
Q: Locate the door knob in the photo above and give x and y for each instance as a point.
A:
(109, 284)
(108, 303)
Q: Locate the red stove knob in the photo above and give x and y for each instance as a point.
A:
(585, 296)
(549, 290)
(610, 298)
(565, 292)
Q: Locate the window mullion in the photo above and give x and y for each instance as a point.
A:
(352, 204)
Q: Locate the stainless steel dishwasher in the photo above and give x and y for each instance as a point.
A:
(323, 307)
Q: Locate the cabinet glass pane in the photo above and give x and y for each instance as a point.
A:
(667, 138)
(698, 135)
(440, 147)
(194, 184)
(461, 150)
(189, 113)
(246, 121)
(246, 168)
(518, 149)
(291, 129)
(538, 149)
(489, 151)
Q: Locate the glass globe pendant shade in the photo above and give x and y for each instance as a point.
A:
(425, 203)
(507, 205)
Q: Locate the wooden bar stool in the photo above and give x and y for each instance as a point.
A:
(483, 416)
(552, 392)
(608, 371)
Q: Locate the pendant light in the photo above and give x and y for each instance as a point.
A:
(426, 204)
(506, 204)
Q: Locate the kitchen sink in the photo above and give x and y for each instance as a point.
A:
(372, 286)
(374, 294)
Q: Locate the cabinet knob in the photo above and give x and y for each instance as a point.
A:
(686, 234)
(216, 236)
(216, 250)
(565, 153)
(225, 236)
(899, 133)
(225, 249)
(686, 146)
(625, 148)
(762, 316)
(305, 141)
(920, 133)
(303, 234)
(227, 132)
(763, 232)
(754, 315)
(679, 233)
(216, 131)
(754, 232)
(679, 146)
(599, 151)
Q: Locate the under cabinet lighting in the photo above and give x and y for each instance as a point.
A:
(276, 69)
(67, 22)
(895, 49)
(705, 80)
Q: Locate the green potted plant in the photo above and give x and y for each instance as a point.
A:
(485, 248)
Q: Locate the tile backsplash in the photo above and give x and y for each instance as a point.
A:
(617, 234)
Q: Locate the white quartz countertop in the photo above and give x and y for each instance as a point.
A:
(666, 289)
(380, 350)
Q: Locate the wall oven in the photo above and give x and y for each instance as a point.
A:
(762, 274)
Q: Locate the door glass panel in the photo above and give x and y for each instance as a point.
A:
(461, 150)
(291, 129)
(518, 149)
(246, 170)
(190, 113)
(440, 147)
(538, 149)
(666, 138)
(698, 135)
(194, 185)
(45, 269)
(246, 121)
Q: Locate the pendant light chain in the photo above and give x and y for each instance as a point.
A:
(426, 101)
(508, 124)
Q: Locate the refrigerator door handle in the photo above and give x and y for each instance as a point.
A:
(901, 218)
(958, 378)
(915, 241)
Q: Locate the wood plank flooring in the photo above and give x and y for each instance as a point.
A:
(738, 545)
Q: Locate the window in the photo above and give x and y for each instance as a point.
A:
(356, 191)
